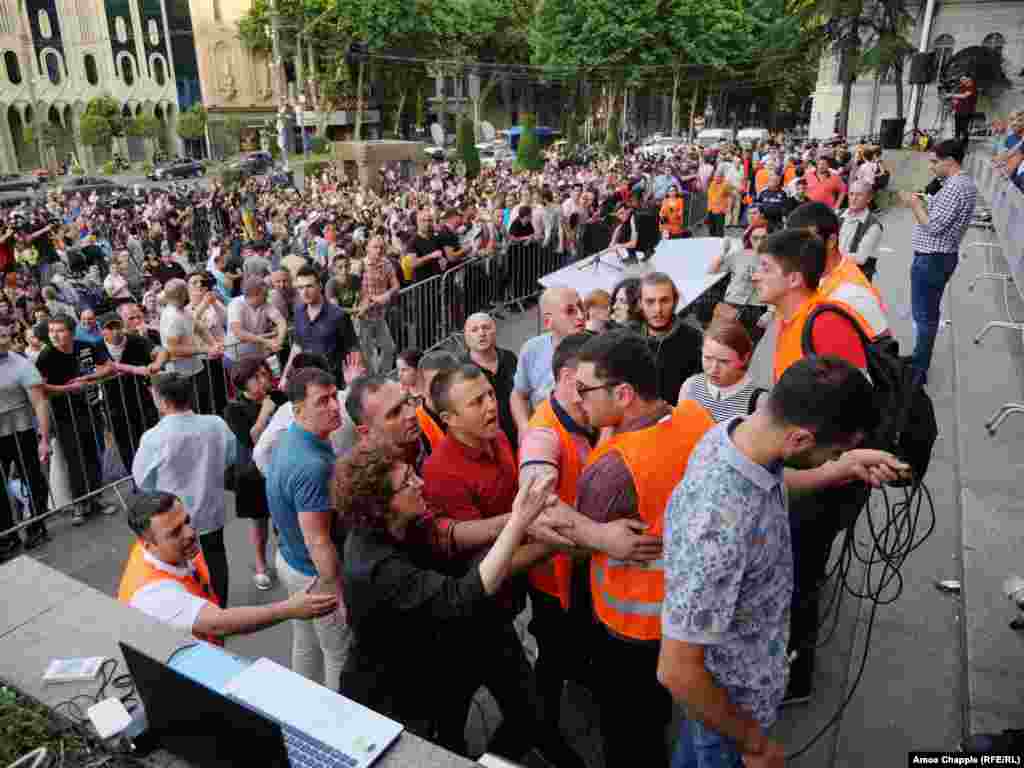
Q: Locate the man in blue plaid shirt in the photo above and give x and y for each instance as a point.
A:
(939, 228)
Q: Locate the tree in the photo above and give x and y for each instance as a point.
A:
(611, 142)
(466, 147)
(143, 126)
(191, 125)
(233, 130)
(108, 108)
(96, 130)
(528, 156)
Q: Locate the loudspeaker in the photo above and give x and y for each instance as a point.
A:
(922, 68)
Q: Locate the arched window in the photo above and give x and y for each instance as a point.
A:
(995, 41)
(943, 48)
(91, 73)
(12, 66)
(158, 70)
(154, 32)
(44, 25)
(52, 61)
(127, 72)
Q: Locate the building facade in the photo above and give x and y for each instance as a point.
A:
(56, 55)
(955, 25)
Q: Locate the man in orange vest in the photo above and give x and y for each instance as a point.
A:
(843, 279)
(431, 364)
(790, 268)
(630, 476)
(166, 577)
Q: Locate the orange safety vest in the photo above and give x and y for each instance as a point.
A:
(554, 575)
(789, 342)
(430, 427)
(848, 271)
(788, 175)
(761, 179)
(139, 573)
(628, 595)
(672, 213)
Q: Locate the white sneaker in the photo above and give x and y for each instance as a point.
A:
(109, 509)
(78, 516)
(263, 581)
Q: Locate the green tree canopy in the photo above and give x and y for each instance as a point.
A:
(466, 147)
(107, 108)
(528, 156)
(192, 124)
(96, 131)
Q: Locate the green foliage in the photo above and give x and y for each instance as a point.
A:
(314, 168)
(192, 124)
(143, 126)
(108, 169)
(107, 108)
(230, 178)
(146, 168)
(528, 156)
(95, 130)
(233, 132)
(26, 726)
(611, 141)
(77, 170)
(466, 144)
(28, 135)
(421, 111)
(318, 145)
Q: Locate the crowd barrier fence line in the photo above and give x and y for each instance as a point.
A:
(1007, 206)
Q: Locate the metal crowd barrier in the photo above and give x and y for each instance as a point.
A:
(94, 436)
(1007, 204)
(696, 209)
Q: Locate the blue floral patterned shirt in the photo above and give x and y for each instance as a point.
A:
(729, 571)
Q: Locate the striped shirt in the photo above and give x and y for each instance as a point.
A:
(949, 215)
(723, 403)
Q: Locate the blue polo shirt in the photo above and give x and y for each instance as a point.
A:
(298, 480)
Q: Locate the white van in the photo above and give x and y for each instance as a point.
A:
(750, 136)
(712, 137)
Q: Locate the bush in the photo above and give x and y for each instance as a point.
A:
(107, 169)
(77, 170)
(314, 168)
(528, 156)
(467, 151)
(318, 145)
(146, 168)
(230, 177)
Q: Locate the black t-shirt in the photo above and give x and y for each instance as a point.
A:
(58, 368)
(423, 246)
(129, 391)
(241, 416)
(503, 382)
(47, 253)
(520, 228)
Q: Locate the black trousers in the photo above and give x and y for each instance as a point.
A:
(78, 431)
(497, 663)
(130, 411)
(216, 556)
(962, 123)
(635, 708)
(22, 450)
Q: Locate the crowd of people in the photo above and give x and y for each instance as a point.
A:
(667, 516)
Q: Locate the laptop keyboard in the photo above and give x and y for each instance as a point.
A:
(305, 752)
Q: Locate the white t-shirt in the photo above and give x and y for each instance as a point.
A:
(258, 321)
(168, 601)
(865, 302)
(177, 323)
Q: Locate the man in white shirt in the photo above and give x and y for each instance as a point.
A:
(255, 327)
(166, 577)
(186, 343)
(861, 231)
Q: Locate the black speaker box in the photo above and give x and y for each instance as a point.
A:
(922, 68)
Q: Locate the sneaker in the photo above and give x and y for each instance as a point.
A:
(262, 580)
(1009, 742)
(78, 516)
(108, 509)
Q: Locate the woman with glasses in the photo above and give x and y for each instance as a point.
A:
(418, 628)
(741, 302)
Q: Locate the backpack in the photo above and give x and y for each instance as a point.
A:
(882, 180)
(907, 428)
(862, 230)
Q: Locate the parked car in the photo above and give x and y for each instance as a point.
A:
(14, 183)
(179, 168)
(661, 146)
(86, 185)
(252, 164)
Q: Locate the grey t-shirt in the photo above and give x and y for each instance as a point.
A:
(533, 374)
(17, 375)
(175, 323)
(741, 263)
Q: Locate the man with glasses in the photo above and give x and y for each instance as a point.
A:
(940, 227)
(321, 328)
(562, 313)
(631, 476)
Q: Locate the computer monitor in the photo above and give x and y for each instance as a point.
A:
(199, 724)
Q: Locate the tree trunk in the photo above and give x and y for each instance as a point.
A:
(898, 71)
(478, 104)
(844, 107)
(675, 103)
(358, 130)
(693, 109)
(398, 112)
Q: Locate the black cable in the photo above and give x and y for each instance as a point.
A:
(108, 679)
(892, 540)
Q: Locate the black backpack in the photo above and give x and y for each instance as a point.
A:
(882, 180)
(907, 428)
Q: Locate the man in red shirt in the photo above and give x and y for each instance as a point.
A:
(965, 101)
(824, 185)
(472, 477)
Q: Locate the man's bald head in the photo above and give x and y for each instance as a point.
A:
(480, 332)
(562, 311)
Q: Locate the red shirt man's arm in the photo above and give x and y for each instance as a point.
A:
(832, 335)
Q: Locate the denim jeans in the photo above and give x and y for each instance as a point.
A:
(700, 747)
(928, 277)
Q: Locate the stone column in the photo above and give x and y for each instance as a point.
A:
(8, 155)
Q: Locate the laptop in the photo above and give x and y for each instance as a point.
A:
(215, 730)
(305, 709)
